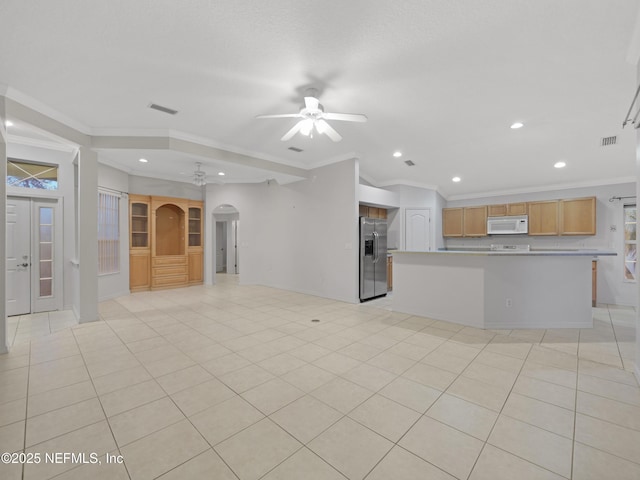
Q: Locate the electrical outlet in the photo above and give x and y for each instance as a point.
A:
(613, 228)
(509, 303)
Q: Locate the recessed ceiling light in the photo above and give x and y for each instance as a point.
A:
(456, 179)
(143, 160)
(559, 164)
(8, 123)
(397, 154)
(517, 125)
(221, 174)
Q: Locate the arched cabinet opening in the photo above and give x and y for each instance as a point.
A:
(169, 230)
(172, 255)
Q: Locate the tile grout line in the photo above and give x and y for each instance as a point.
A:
(106, 419)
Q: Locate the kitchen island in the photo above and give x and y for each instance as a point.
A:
(497, 289)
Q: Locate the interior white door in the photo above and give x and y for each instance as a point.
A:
(234, 241)
(18, 252)
(221, 247)
(417, 234)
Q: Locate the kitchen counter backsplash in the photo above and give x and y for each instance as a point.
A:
(540, 243)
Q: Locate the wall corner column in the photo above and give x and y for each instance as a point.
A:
(87, 231)
(4, 347)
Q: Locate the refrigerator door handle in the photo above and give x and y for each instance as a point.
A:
(375, 247)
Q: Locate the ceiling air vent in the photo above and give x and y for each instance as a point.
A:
(160, 108)
(409, 163)
(606, 141)
(295, 149)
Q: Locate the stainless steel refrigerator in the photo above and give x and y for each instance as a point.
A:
(373, 258)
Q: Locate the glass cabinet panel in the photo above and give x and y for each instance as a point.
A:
(195, 227)
(139, 225)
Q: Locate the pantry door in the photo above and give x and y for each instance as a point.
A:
(417, 221)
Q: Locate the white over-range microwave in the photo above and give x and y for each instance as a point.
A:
(513, 225)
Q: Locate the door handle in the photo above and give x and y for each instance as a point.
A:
(23, 265)
(375, 247)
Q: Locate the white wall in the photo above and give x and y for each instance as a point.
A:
(378, 196)
(166, 188)
(415, 197)
(301, 236)
(65, 192)
(116, 284)
(612, 288)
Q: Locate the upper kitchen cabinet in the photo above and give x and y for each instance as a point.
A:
(475, 221)
(507, 209)
(578, 216)
(543, 218)
(452, 222)
(373, 212)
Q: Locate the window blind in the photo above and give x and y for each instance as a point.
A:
(108, 233)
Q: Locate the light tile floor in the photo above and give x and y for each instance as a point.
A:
(237, 382)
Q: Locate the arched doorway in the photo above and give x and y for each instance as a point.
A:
(225, 240)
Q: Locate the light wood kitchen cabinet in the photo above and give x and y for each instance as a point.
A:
(389, 273)
(543, 218)
(372, 212)
(166, 245)
(139, 246)
(578, 216)
(507, 209)
(475, 221)
(497, 210)
(517, 208)
(452, 222)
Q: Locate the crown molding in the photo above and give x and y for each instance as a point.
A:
(40, 143)
(545, 188)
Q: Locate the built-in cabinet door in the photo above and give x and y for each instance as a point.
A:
(452, 222)
(578, 216)
(196, 243)
(139, 242)
(139, 271)
(497, 210)
(372, 212)
(475, 221)
(517, 208)
(195, 268)
(543, 218)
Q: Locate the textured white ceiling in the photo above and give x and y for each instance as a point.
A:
(440, 80)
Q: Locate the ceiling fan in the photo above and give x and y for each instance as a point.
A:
(312, 116)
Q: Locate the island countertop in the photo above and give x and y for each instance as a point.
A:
(522, 253)
(497, 289)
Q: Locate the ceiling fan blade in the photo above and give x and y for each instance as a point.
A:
(284, 115)
(324, 127)
(292, 132)
(311, 103)
(345, 117)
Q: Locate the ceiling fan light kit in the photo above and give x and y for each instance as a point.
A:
(313, 117)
